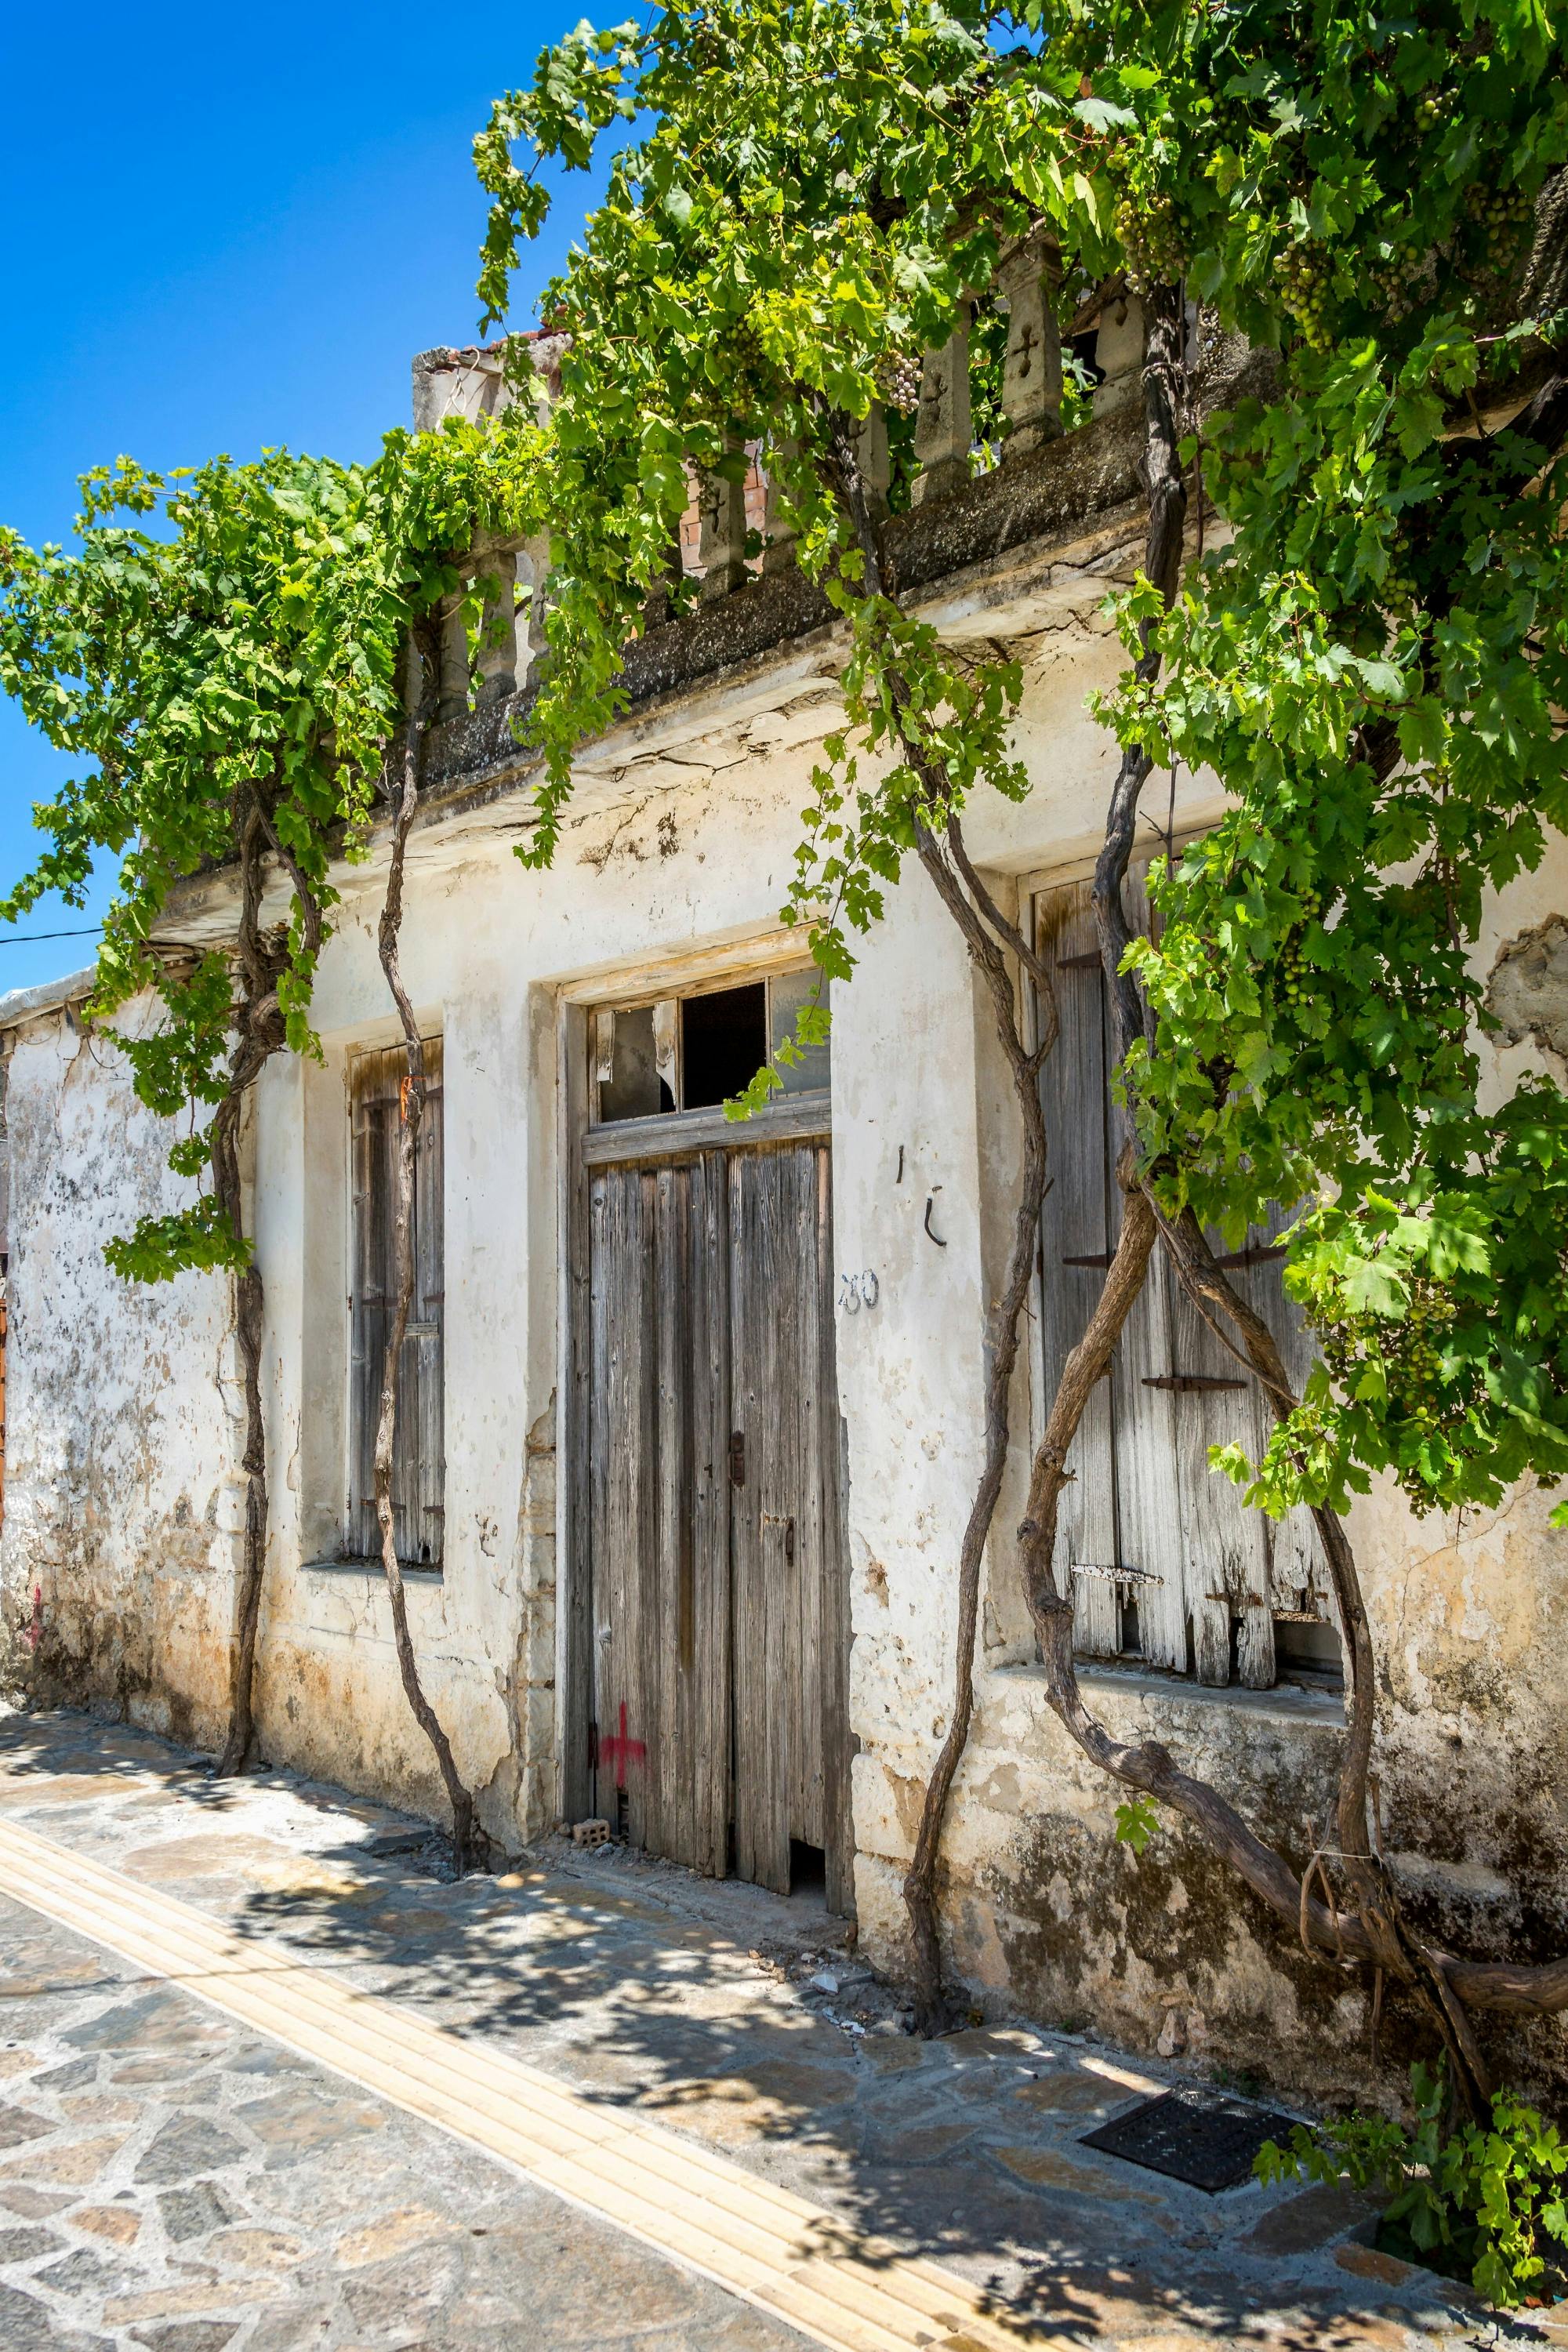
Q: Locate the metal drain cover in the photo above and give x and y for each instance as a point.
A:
(1202, 2137)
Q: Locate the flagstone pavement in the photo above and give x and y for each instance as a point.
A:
(174, 2180)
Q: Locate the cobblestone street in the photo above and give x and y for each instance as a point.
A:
(173, 2178)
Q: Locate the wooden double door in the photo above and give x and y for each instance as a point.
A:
(720, 1616)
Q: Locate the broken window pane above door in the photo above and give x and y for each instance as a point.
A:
(699, 1051)
(626, 1064)
(788, 992)
(723, 1044)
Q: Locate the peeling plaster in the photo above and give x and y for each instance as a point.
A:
(1528, 988)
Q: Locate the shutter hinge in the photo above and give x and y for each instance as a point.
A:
(1185, 1382)
(1115, 1575)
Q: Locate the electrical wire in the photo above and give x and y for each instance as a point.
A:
(22, 938)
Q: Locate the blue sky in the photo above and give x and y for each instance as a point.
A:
(227, 230)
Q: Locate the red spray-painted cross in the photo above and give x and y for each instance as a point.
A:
(625, 1751)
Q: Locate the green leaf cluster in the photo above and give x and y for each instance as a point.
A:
(1374, 663)
(1484, 2202)
(810, 193)
(225, 647)
(1372, 655)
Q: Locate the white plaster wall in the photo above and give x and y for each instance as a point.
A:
(906, 1156)
(123, 1508)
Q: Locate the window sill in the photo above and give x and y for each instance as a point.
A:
(1286, 1702)
(412, 1574)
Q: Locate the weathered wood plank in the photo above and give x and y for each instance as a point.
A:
(604, 1257)
(1148, 1502)
(573, 1560)
(742, 1451)
(376, 1083)
(839, 1739)
(685, 1135)
(1226, 1554)
(711, 1602)
(422, 1414)
(644, 1671)
(832, 1476)
(623, 1472)
(1075, 1224)
(673, 1755)
(1299, 1572)
(803, 1572)
(366, 1338)
(760, 1307)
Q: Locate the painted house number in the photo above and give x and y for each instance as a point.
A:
(857, 1290)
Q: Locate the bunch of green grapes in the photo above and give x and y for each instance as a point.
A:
(1400, 281)
(1431, 108)
(1398, 593)
(1411, 1355)
(1306, 288)
(1149, 235)
(1296, 976)
(1503, 216)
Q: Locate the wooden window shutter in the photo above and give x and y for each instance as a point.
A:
(1164, 1559)
(376, 1092)
(1074, 1245)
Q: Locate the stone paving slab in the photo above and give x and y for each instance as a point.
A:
(654, 1992)
(173, 2183)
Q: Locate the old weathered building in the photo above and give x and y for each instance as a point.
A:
(692, 1415)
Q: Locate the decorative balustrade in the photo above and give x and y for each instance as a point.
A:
(722, 535)
(490, 662)
(1118, 354)
(1032, 369)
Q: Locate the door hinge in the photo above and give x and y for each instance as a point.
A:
(1183, 1382)
(737, 1457)
(1257, 1253)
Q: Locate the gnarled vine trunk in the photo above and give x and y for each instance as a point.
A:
(259, 1033)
